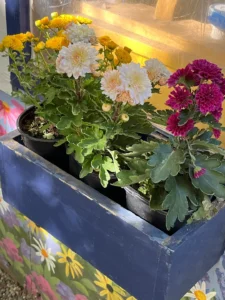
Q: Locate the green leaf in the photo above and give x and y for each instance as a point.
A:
(179, 190)
(165, 162)
(77, 120)
(184, 116)
(86, 167)
(142, 148)
(115, 161)
(157, 197)
(96, 161)
(212, 182)
(49, 95)
(60, 142)
(108, 164)
(78, 154)
(63, 123)
(75, 109)
(81, 288)
(88, 284)
(72, 138)
(88, 142)
(205, 146)
(221, 168)
(104, 176)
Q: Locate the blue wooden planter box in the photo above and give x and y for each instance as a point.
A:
(140, 258)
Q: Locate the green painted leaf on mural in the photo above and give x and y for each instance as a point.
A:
(11, 236)
(81, 288)
(88, 284)
(2, 228)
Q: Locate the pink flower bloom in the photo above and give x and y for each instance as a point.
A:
(179, 98)
(11, 250)
(209, 98)
(80, 297)
(9, 114)
(206, 70)
(30, 285)
(173, 125)
(181, 76)
(216, 133)
(2, 130)
(43, 286)
(221, 83)
(198, 172)
(217, 114)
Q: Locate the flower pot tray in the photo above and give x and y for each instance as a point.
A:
(139, 257)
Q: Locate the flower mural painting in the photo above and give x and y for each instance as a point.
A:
(198, 292)
(12, 252)
(4, 206)
(10, 114)
(72, 266)
(45, 254)
(108, 290)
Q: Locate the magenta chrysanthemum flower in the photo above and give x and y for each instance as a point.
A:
(175, 129)
(216, 133)
(221, 83)
(179, 98)
(206, 70)
(209, 98)
(217, 114)
(198, 172)
(181, 76)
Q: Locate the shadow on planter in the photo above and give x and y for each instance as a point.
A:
(115, 193)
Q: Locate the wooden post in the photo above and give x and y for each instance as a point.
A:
(165, 9)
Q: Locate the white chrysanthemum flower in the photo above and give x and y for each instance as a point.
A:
(4, 206)
(44, 253)
(76, 60)
(199, 292)
(80, 33)
(135, 81)
(111, 84)
(157, 72)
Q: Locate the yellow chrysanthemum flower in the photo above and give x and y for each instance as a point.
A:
(109, 290)
(127, 49)
(109, 56)
(57, 42)
(72, 265)
(104, 40)
(24, 37)
(111, 45)
(62, 21)
(123, 56)
(54, 14)
(44, 21)
(83, 20)
(2, 48)
(12, 42)
(40, 46)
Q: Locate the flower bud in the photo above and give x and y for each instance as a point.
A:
(54, 14)
(40, 46)
(125, 117)
(106, 107)
(38, 23)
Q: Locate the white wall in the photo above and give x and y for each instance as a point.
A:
(4, 74)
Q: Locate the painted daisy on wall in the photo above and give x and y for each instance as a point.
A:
(109, 290)
(68, 257)
(45, 254)
(4, 206)
(198, 292)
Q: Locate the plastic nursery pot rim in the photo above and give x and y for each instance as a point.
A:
(19, 123)
(141, 198)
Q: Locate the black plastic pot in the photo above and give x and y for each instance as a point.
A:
(140, 206)
(115, 193)
(41, 146)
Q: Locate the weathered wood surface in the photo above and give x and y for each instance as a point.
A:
(140, 258)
